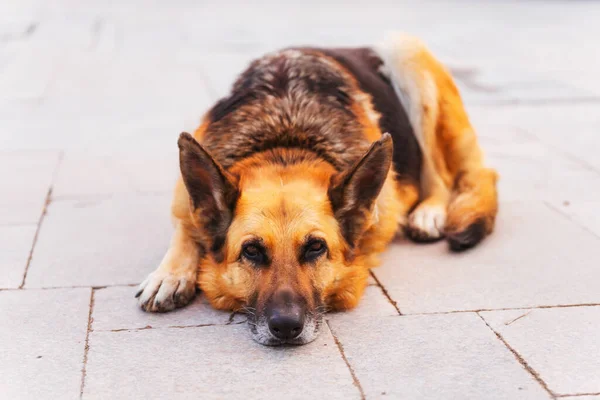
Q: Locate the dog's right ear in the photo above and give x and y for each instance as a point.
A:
(213, 192)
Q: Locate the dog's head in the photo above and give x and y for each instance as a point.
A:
(281, 234)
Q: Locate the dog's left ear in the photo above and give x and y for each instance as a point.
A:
(353, 192)
(212, 190)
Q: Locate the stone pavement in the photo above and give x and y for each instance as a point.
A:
(92, 97)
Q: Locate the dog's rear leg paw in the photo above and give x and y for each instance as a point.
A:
(426, 223)
(468, 237)
(164, 291)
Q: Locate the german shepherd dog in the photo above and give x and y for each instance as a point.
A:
(299, 178)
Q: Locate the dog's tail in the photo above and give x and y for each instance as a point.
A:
(453, 172)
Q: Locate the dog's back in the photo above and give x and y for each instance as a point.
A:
(321, 100)
(332, 103)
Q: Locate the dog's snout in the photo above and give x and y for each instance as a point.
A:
(285, 315)
(286, 325)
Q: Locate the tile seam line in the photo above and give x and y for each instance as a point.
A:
(97, 29)
(108, 196)
(19, 224)
(87, 343)
(563, 396)
(340, 347)
(35, 237)
(520, 359)
(540, 307)
(386, 293)
(47, 202)
(557, 210)
(540, 102)
(209, 86)
(96, 287)
(566, 154)
(549, 146)
(148, 328)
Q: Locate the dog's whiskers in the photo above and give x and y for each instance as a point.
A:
(249, 310)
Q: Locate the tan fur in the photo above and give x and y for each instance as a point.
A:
(454, 178)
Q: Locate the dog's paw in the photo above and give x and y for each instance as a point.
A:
(426, 223)
(164, 291)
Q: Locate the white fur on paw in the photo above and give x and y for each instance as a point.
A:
(163, 291)
(427, 222)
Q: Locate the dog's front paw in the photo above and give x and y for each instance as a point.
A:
(165, 291)
(426, 223)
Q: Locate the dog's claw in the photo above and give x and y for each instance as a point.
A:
(426, 223)
(164, 291)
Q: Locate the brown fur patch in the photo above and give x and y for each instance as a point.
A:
(288, 99)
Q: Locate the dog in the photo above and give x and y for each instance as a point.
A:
(298, 179)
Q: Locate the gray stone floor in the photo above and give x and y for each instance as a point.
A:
(92, 97)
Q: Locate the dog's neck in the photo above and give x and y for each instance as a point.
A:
(285, 160)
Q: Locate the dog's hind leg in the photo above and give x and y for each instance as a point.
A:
(458, 194)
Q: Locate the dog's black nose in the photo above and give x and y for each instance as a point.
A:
(285, 313)
(286, 325)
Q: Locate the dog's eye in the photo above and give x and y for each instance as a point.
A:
(314, 249)
(253, 253)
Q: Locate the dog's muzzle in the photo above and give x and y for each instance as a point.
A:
(285, 322)
(285, 319)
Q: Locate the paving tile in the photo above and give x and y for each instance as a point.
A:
(103, 241)
(454, 356)
(223, 69)
(513, 85)
(91, 175)
(125, 89)
(154, 132)
(560, 344)
(527, 178)
(568, 129)
(25, 177)
(153, 173)
(27, 76)
(115, 308)
(88, 175)
(43, 338)
(15, 246)
(530, 169)
(373, 304)
(27, 213)
(522, 264)
(100, 102)
(584, 213)
(212, 363)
